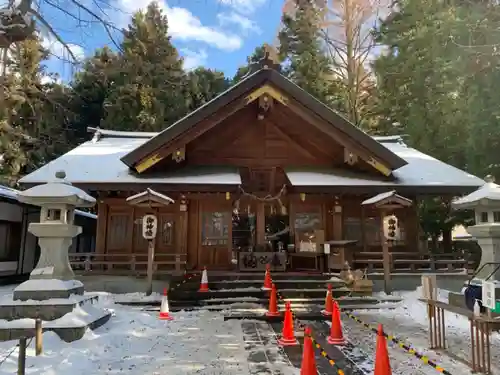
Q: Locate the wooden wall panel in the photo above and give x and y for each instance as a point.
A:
(193, 233)
(243, 140)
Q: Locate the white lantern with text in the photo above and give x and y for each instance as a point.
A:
(149, 226)
(391, 228)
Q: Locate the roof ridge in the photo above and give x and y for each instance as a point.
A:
(107, 133)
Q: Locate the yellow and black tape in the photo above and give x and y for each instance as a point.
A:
(322, 351)
(401, 344)
(185, 279)
(328, 358)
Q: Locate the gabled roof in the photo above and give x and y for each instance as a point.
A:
(96, 165)
(245, 86)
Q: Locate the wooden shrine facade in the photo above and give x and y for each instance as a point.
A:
(262, 172)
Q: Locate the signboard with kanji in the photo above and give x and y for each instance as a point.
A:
(488, 297)
(149, 226)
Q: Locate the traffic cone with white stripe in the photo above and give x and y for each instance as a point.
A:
(204, 281)
(164, 308)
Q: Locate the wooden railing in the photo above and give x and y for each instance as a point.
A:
(404, 261)
(126, 263)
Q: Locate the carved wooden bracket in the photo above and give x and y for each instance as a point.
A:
(179, 155)
(265, 104)
(349, 157)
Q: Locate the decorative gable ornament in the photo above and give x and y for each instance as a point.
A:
(349, 157)
(179, 155)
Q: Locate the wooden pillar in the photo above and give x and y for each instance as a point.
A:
(183, 225)
(261, 223)
(385, 254)
(337, 218)
(102, 224)
(130, 230)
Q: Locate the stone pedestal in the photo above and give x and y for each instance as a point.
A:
(488, 238)
(52, 293)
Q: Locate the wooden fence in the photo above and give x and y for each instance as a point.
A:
(127, 264)
(414, 262)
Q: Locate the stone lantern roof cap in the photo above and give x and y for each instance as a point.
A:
(487, 196)
(58, 192)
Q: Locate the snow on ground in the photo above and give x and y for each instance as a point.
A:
(409, 324)
(137, 342)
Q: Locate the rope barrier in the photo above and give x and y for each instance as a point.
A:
(328, 358)
(401, 344)
(323, 353)
(13, 350)
(185, 279)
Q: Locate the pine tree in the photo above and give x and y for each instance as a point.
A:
(419, 79)
(89, 90)
(32, 127)
(203, 85)
(304, 60)
(146, 97)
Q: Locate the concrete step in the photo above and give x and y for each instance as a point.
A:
(251, 311)
(295, 302)
(187, 295)
(280, 284)
(225, 276)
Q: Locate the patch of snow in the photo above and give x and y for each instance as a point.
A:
(7, 300)
(138, 343)
(80, 316)
(48, 284)
(408, 322)
(132, 297)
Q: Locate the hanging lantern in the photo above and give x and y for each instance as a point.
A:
(302, 197)
(228, 196)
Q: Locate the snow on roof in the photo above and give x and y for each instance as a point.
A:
(379, 197)
(99, 162)
(10, 193)
(150, 192)
(486, 195)
(421, 171)
(56, 191)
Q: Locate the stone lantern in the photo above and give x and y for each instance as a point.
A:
(486, 205)
(55, 233)
(52, 292)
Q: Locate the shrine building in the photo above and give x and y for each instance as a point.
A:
(262, 173)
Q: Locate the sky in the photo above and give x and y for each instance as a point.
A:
(216, 34)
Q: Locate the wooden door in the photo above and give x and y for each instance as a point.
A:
(214, 250)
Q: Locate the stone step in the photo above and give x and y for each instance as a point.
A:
(225, 276)
(280, 284)
(186, 295)
(295, 302)
(249, 311)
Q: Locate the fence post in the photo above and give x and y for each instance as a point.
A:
(21, 361)
(38, 336)
(87, 263)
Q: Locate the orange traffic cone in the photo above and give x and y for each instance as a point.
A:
(204, 281)
(308, 366)
(288, 335)
(164, 309)
(328, 302)
(382, 363)
(267, 278)
(336, 337)
(273, 303)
